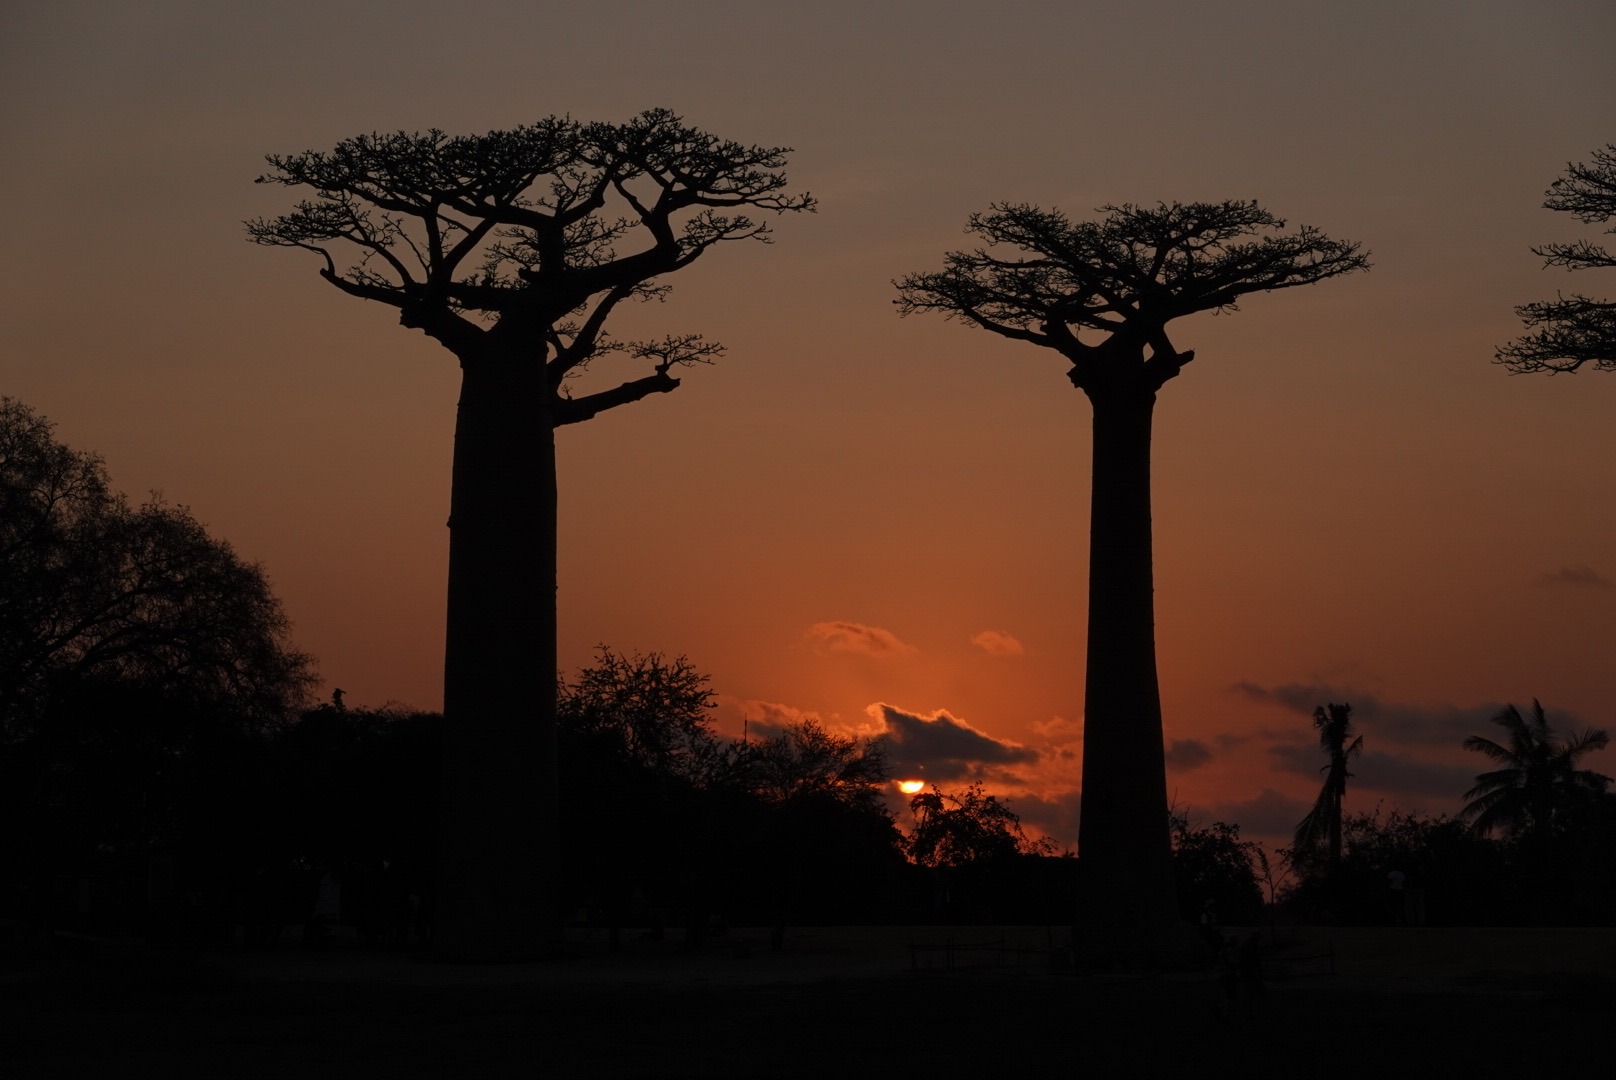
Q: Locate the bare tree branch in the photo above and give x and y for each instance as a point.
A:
(1124, 276)
(531, 208)
(1572, 331)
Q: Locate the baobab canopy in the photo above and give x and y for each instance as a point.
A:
(1046, 279)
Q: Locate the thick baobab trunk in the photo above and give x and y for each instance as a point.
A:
(498, 841)
(1129, 905)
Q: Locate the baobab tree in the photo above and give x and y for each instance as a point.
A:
(511, 250)
(1323, 823)
(1100, 295)
(1570, 331)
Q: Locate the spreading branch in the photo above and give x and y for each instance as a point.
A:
(541, 230)
(1102, 292)
(1569, 332)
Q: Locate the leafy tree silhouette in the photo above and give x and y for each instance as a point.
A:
(95, 592)
(1212, 863)
(1539, 783)
(507, 249)
(1572, 330)
(1100, 294)
(968, 828)
(827, 836)
(1322, 825)
(136, 650)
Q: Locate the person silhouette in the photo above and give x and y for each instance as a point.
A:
(1208, 929)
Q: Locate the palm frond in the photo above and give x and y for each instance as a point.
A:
(1592, 781)
(1310, 831)
(1509, 718)
(1484, 745)
(1586, 742)
(1539, 723)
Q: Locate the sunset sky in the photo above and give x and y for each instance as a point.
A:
(876, 521)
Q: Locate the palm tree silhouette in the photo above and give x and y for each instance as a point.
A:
(1334, 724)
(1539, 781)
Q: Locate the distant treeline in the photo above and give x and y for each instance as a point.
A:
(287, 831)
(138, 818)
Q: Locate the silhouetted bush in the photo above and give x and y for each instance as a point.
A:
(1214, 864)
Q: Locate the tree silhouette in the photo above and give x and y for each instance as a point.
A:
(1572, 330)
(827, 838)
(511, 250)
(805, 761)
(1539, 782)
(1323, 822)
(968, 828)
(97, 594)
(651, 711)
(1212, 863)
(1100, 294)
(137, 653)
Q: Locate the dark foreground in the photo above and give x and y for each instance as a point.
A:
(83, 1010)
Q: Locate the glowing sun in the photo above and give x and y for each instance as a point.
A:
(910, 787)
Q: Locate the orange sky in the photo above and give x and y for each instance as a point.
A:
(1351, 501)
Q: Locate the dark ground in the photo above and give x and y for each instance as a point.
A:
(837, 1004)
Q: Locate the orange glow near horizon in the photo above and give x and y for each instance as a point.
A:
(911, 787)
(874, 523)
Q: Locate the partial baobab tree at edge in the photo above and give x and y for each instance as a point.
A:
(511, 250)
(1571, 331)
(1100, 294)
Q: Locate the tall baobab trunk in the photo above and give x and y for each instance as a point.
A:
(1123, 838)
(498, 838)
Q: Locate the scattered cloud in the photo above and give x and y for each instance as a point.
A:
(1054, 816)
(857, 638)
(941, 747)
(1058, 727)
(1398, 723)
(1186, 754)
(1575, 577)
(995, 643)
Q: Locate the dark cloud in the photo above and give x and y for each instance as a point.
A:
(1402, 724)
(1268, 813)
(941, 747)
(1186, 754)
(1575, 577)
(1378, 771)
(857, 638)
(1398, 774)
(1056, 818)
(766, 719)
(1303, 759)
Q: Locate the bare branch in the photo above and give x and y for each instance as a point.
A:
(577, 410)
(1576, 330)
(528, 208)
